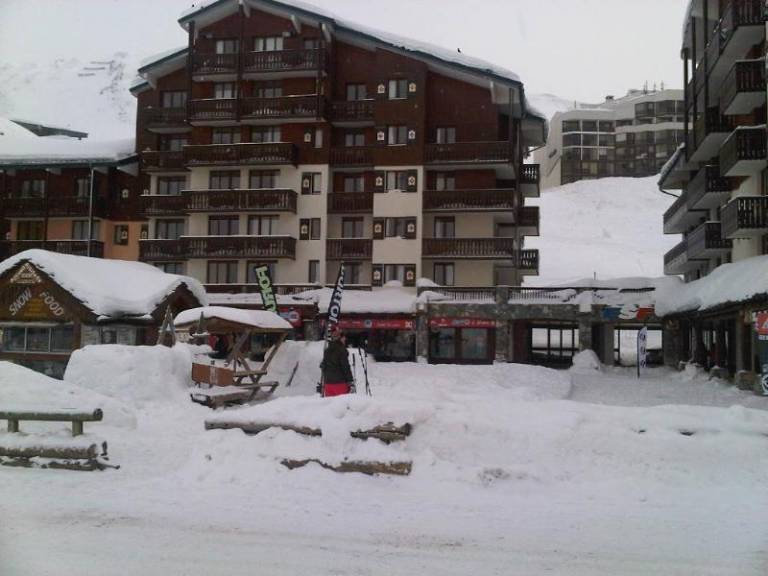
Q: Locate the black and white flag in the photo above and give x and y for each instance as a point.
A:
(334, 308)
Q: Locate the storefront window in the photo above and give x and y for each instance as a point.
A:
(62, 338)
(58, 339)
(13, 339)
(443, 343)
(474, 343)
(38, 339)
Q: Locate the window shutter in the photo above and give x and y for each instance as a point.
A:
(413, 181)
(410, 275)
(377, 275)
(378, 228)
(304, 229)
(381, 136)
(379, 181)
(306, 183)
(410, 228)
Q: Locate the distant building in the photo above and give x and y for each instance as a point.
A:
(633, 136)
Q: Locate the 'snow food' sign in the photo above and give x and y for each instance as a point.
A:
(33, 303)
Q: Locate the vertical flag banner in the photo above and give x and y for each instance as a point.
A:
(642, 349)
(334, 308)
(265, 287)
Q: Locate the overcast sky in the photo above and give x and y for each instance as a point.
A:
(576, 49)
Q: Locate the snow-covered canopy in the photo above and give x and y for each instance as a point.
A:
(386, 300)
(727, 284)
(111, 289)
(262, 320)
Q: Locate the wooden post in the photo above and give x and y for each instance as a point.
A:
(77, 428)
(13, 425)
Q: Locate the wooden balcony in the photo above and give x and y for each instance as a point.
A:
(239, 246)
(529, 218)
(708, 189)
(213, 110)
(745, 217)
(351, 156)
(163, 161)
(743, 89)
(163, 205)
(161, 120)
(210, 64)
(530, 178)
(348, 249)
(350, 202)
(706, 242)
(352, 113)
(286, 62)
(475, 248)
(240, 154)
(491, 200)
(54, 206)
(680, 216)
(75, 247)
(744, 152)
(676, 260)
(285, 108)
(710, 131)
(528, 262)
(469, 153)
(154, 250)
(241, 200)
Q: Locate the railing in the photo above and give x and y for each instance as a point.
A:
(745, 76)
(249, 153)
(239, 246)
(530, 174)
(348, 248)
(346, 202)
(681, 249)
(208, 63)
(53, 205)
(707, 181)
(461, 293)
(464, 152)
(240, 200)
(163, 160)
(212, 109)
(740, 13)
(746, 215)
(491, 199)
(284, 107)
(158, 116)
(529, 260)
(162, 205)
(283, 60)
(496, 248)
(161, 250)
(74, 247)
(352, 111)
(680, 204)
(707, 237)
(529, 217)
(744, 144)
(711, 122)
(352, 155)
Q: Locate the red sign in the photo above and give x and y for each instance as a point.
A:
(292, 315)
(461, 323)
(376, 324)
(762, 323)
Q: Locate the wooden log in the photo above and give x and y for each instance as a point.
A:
(256, 427)
(386, 433)
(62, 415)
(369, 468)
(85, 452)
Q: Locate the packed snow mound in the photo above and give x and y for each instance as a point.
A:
(25, 389)
(255, 318)
(611, 228)
(141, 376)
(586, 361)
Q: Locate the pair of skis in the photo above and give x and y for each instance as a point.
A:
(364, 364)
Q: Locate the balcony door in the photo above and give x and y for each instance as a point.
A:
(445, 227)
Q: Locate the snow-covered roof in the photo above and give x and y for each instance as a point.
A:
(250, 299)
(727, 284)
(670, 164)
(385, 300)
(259, 319)
(111, 289)
(161, 57)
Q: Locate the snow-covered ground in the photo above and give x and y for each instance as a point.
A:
(516, 470)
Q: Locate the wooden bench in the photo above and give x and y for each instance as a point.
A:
(218, 396)
(77, 417)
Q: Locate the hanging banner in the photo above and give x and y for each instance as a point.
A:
(268, 298)
(334, 308)
(642, 349)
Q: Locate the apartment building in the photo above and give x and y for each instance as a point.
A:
(280, 136)
(632, 136)
(720, 173)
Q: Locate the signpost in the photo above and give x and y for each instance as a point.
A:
(642, 349)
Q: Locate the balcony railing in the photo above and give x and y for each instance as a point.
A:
(707, 240)
(279, 108)
(249, 153)
(469, 152)
(530, 174)
(352, 111)
(746, 77)
(449, 200)
(54, 205)
(163, 205)
(283, 60)
(352, 155)
(239, 246)
(348, 202)
(676, 257)
(348, 249)
(74, 247)
(213, 109)
(161, 250)
(707, 187)
(208, 63)
(529, 217)
(745, 217)
(493, 248)
(740, 13)
(246, 200)
(163, 160)
(711, 122)
(744, 152)
(158, 117)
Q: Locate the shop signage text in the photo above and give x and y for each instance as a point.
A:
(462, 323)
(376, 324)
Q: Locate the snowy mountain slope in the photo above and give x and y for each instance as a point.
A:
(610, 227)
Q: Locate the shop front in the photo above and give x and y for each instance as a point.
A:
(462, 340)
(386, 338)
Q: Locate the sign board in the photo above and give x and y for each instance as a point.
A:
(376, 324)
(627, 312)
(32, 302)
(26, 275)
(762, 325)
(461, 323)
(293, 317)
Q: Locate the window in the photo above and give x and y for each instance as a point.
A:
(262, 179)
(352, 273)
(33, 188)
(224, 180)
(311, 183)
(172, 143)
(227, 46)
(313, 275)
(445, 181)
(267, 43)
(444, 273)
(222, 90)
(318, 137)
(397, 135)
(571, 126)
(121, 235)
(354, 138)
(263, 225)
(226, 136)
(173, 99)
(171, 267)
(397, 180)
(394, 227)
(605, 126)
(62, 338)
(589, 140)
(222, 273)
(589, 125)
(352, 228)
(356, 92)
(266, 134)
(82, 187)
(354, 184)
(314, 229)
(572, 140)
(171, 186)
(394, 272)
(446, 135)
(252, 277)
(54, 339)
(311, 43)
(108, 336)
(398, 89)
(268, 89)
(445, 227)
(169, 229)
(223, 225)
(80, 230)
